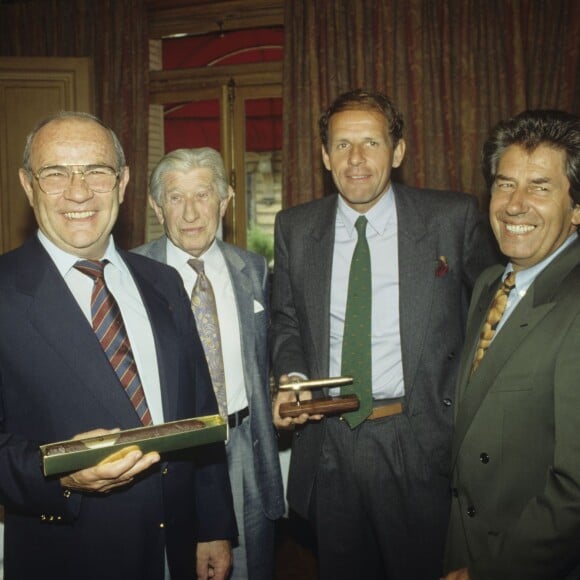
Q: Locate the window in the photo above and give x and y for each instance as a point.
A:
(224, 90)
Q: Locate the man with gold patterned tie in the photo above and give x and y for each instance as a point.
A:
(516, 449)
(94, 339)
(229, 288)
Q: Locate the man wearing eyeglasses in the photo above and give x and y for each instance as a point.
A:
(141, 516)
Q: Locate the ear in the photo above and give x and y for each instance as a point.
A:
(123, 181)
(399, 153)
(225, 202)
(325, 157)
(157, 209)
(576, 215)
(26, 182)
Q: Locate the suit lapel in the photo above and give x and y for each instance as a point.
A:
(478, 311)
(167, 347)
(536, 304)
(521, 323)
(416, 245)
(61, 323)
(318, 278)
(244, 293)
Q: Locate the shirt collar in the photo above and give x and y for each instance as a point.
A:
(524, 278)
(176, 255)
(378, 216)
(65, 261)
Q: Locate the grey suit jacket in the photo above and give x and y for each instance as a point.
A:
(249, 275)
(432, 311)
(516, 449)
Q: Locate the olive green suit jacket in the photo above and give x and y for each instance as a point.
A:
(516, 448)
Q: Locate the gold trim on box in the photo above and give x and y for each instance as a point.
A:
(75, 454)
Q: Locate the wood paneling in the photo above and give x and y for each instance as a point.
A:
(171, 17)
(31, 89)
(179, 85)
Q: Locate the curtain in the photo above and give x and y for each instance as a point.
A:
(453, 67)
(115, 35)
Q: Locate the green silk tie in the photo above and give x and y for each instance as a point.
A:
(356, 341)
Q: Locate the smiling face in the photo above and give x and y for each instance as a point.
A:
(78, 220)
(360, 156)
(191, 209)
(531, 211)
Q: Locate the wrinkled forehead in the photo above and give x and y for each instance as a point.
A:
(72, 141)
(189, 179)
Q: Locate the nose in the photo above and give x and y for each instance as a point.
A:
(517, 204)
(356, 155)
(190, 213)
(77, 189)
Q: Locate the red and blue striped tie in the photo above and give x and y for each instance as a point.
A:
(110, 330)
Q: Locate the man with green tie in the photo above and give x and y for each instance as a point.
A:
(373, 282)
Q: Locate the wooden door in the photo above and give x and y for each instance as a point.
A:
(31, 89)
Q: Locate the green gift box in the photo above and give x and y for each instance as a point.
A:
(75, 454)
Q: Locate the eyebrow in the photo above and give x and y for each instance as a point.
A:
(537, 180)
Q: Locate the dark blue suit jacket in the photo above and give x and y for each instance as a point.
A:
(55, 382)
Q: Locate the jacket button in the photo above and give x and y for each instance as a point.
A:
(454, 492)
(447, 402)
(451, 356)
(484, 458)
(471, 511)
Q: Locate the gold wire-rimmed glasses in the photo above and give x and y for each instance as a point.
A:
(56, 179)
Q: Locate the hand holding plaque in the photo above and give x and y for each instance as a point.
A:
(320, 406)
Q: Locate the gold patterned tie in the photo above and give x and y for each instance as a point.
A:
(205, 312)
(496, 310)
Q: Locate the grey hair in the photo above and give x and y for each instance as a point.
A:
(182, 160)
(119, 153)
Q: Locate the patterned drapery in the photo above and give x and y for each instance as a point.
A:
(454, 68)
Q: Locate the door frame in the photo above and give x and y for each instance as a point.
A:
(231, 85)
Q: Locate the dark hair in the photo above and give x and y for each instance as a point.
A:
(361, 100)
(530, 129)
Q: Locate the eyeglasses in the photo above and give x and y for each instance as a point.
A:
(56, 179)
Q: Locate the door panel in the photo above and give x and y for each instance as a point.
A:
(31, 89)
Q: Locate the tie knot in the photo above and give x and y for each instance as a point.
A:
(95, 269)
(361, 225)
(197, 265)
(510, 281)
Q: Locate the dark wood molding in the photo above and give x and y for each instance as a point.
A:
(178, 85)
(171, 18)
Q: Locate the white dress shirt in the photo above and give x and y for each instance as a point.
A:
(216, 270)
(382, 237)
(121, 284)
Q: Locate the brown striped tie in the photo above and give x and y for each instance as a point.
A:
(112, 334)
